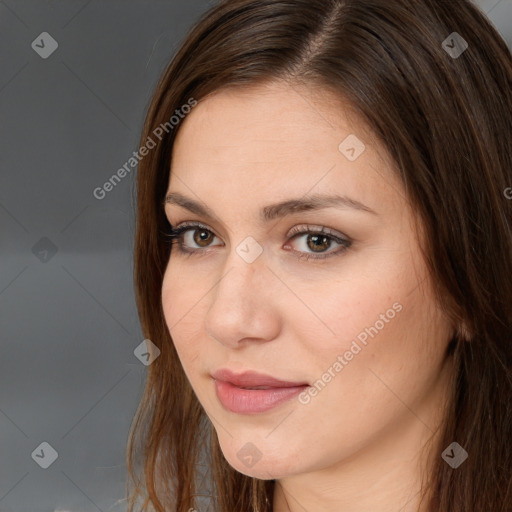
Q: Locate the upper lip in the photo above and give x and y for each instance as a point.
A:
(250, 379)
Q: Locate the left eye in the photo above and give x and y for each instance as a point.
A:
(317, 242)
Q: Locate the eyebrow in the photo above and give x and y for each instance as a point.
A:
(277, 210)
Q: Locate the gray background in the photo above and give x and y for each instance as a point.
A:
(68, 322)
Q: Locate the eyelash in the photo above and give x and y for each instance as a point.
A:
(175, 237)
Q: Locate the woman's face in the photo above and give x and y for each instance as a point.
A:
(357, 335)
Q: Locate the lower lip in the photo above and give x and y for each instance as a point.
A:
(247, 401)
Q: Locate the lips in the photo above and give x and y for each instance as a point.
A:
(251, 379)
(251, 392)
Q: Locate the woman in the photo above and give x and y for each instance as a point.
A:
(323, 259)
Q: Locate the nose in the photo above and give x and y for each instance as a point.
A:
(243, 303)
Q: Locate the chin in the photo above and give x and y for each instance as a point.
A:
(247, 459)
(261, 470)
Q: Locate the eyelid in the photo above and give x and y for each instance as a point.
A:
(192, 224)
(301, 229)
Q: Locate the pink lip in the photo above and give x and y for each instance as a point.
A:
(229, 388)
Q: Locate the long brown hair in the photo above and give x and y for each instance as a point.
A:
(446, 120)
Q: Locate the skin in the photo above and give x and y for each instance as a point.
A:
(356, 445)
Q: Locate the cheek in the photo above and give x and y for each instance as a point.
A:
(181, 304)
(381, 320)
(382, 343)
(335, 316)
(361, 302)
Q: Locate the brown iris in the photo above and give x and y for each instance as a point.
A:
(318, 242)
(202, 236)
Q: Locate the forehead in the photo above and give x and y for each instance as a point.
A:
(277, 119)
(278, 140)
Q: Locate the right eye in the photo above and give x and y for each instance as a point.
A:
(191, 237)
